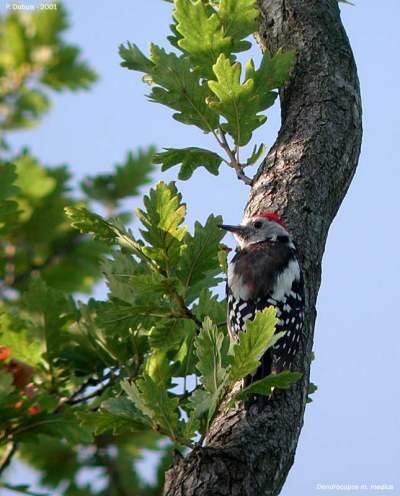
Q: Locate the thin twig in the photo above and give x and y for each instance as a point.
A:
(10, 451)
(234, 159)
(96, 393)
(185, 310)
(74, 400)
(90, 382)
(21, 489)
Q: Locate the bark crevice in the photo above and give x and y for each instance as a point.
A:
(305, 178)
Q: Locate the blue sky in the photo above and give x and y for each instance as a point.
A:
(351, 434)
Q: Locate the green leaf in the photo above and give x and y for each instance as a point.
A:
(274, 69)
(184, 359)
(172, 334)
(14, 45)
(175, 36)
(134, 173)
(212, 347)
(152, 399)
(162, 218)
(175, 85)
(209, 306)
(111, 334)
(118, 317)
(190, 159)
(257, 153)
(33, 55)
(265, 386)
(66, 70)
(311, 390)
(202, 35)
(272, 74)
(253, 343)
(200, 258)
(110, 232)
(135, 395)
(119, 272)
(33, 180)
(188, 429)
(130, 280)
(78, 269)
(118, 415)
(29, 105)
(15, 335)
(239, 20)
(125, 182)
(180, 88)
(6, 385)
(238, 103)
(201, 402)
(204, 405)
(50, 311)
(44, 454)
(8, 208)
(134, 59)
(88, 222)
(64, 259)
(63, 425)
(49, 24)
(158, 368)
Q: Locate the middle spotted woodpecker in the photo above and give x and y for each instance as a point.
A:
(265, 272)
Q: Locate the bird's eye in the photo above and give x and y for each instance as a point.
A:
(257, 224)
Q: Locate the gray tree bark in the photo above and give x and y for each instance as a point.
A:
(305, 178)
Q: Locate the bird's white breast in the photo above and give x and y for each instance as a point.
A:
(285, 279)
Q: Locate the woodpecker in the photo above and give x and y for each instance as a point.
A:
(265, 272)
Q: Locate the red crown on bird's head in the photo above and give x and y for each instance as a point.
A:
(271, 216)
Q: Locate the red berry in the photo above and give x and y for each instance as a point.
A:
(5, 352)
(34, 410)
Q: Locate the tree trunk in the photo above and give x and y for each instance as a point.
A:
(304, 177)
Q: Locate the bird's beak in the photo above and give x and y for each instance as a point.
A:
(233, 229)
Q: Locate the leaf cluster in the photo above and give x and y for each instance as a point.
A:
(35, 57)
(66, 378)
(58, 360)
(126, 180)
(206, 86)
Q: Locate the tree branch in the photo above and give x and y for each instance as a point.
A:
(8, 455)
(305, 177)
(234, 159)
(79, 396)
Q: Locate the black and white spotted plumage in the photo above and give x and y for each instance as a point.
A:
(265, 272)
